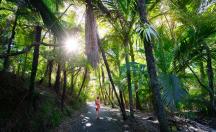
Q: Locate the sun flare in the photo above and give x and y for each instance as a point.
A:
(72, 45)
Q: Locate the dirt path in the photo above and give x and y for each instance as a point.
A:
(109, 121)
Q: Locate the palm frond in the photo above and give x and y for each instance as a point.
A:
(49, 18)
(172, 90)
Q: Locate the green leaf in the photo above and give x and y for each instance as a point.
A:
(172, 91)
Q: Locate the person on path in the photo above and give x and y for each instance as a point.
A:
(97, 103)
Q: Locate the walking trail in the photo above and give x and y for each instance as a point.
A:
(109, 121)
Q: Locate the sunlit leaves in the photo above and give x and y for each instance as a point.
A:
(147, 31)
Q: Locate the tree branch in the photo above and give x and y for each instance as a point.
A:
(199, 81)
(25, 50)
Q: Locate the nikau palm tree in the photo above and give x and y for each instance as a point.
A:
(154, 84)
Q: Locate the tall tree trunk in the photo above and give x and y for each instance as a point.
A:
(100, 83)
(103, 81)
(122, 108)
(64, 88)
(138, 106)
(121, 96)
(6, 59)
(72, 82)
(111, 94)
(109, 90)
(57, 79)
(38, 30)
(202, 76)
(121, 93)
(125, 99)
(83, 82)
(74, 79)
(110, 101)
(45, 73)
(210, 75)
(50, 69)
(24, 65)
(154, 84)
(126, 48)
(5, 31)
(18, 69)
(91, 35)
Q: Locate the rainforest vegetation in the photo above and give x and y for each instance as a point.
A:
(147, 56)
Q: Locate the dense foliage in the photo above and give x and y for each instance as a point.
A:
(138, 54)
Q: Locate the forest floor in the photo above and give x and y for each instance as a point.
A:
(110, 121)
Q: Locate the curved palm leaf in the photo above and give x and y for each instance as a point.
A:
(172, 90)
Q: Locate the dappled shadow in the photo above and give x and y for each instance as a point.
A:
(107, 122)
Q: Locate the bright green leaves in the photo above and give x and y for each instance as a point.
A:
(137, 68)
(123, 4)
(164, 52)
(139, 72)
(187, 5)
(51, 4)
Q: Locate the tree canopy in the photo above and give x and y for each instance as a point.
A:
(143, 55)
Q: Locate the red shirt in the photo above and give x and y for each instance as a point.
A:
(97, 103)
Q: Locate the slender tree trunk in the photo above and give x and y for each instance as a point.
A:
(45, 73)
(6, 59)
(50, 69)
(109, 91)
(83, 82)
(126, 48)
(72, 82)
(154, 84)
(74, 79)
(5, 31)
(121, 93)
(138, 105)
(111, 94)
(24, 65)
(202, 76)
(210, 75)
(57, 79)
(38, 30)
(104, 88)
(110, 101)
(121, 96)
(125, 99)
(103, 76)
(101, 89)
(64, 89)
(18, 69)
(122, 108)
